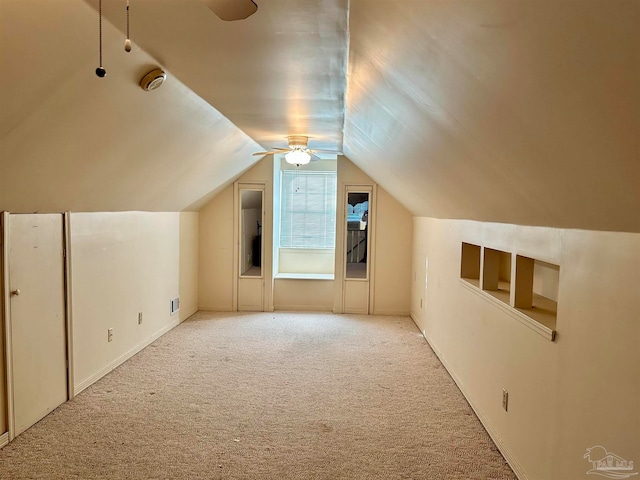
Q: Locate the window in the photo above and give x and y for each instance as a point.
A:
(308, 209)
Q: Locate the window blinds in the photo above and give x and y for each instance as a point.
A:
(308, 209)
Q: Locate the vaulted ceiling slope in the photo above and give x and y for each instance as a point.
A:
(523, 112)
(280, 72)
(72, 141)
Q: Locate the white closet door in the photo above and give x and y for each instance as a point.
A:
(38, 333)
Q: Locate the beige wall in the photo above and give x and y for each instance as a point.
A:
(301, 295)
(564, 396)
(189, 241)
(123, 264)
(216, 269)
(392, 278)
(394, 235)
(169, 149)
(393, 245)
(298, 260)
(216, 253)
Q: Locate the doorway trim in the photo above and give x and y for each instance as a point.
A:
(6, 313)
(341, 233)
(68, 310)
(266, 277)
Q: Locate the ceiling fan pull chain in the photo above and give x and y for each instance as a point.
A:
(127, 42)
(100, 71)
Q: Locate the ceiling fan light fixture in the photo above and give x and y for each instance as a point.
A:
(297, 157)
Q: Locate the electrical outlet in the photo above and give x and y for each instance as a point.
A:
(140, 318)
(505, 400)
(109, 334)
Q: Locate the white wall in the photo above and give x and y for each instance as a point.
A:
(123, 264)
(564, 396)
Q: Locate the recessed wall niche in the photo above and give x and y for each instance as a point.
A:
(470, 264)
(536, 290)
(496, 274)
(530, 295)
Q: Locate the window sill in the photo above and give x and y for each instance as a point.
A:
(305, 276)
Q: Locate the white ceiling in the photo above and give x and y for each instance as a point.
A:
(522, 112)
(280, 72)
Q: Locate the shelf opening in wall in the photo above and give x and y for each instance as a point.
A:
(470, 264)
(496, 274)
(536, 290)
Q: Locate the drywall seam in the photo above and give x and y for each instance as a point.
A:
(506, 453)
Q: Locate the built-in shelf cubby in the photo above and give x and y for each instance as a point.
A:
(496, 274)
(528, 289)
(536, 290)
(470, 264)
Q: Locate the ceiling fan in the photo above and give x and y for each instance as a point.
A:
(231, 10)
(298, 152)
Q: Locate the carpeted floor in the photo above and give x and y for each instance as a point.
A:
(267, 396)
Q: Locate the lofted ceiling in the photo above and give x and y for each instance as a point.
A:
(524, 112)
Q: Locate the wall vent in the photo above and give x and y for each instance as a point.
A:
(175, 305)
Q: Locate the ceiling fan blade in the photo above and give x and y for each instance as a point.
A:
(230, 10)
(266, 153)
(334, 152)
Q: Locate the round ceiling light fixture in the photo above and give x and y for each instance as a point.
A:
(152, 80)
(297, 156)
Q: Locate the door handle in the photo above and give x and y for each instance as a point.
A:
(15, 292)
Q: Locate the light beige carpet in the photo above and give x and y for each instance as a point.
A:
(267, 396)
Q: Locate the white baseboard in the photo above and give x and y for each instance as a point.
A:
(504, 450)
(188, 314)
(302, 308)
(392, 313)
(215, 309)
(123, 358)
(4, 439)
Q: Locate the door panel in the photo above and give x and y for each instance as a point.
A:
(38, 331)
(357, 244)
(356, 296)
(249, 218)
(250, 293)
